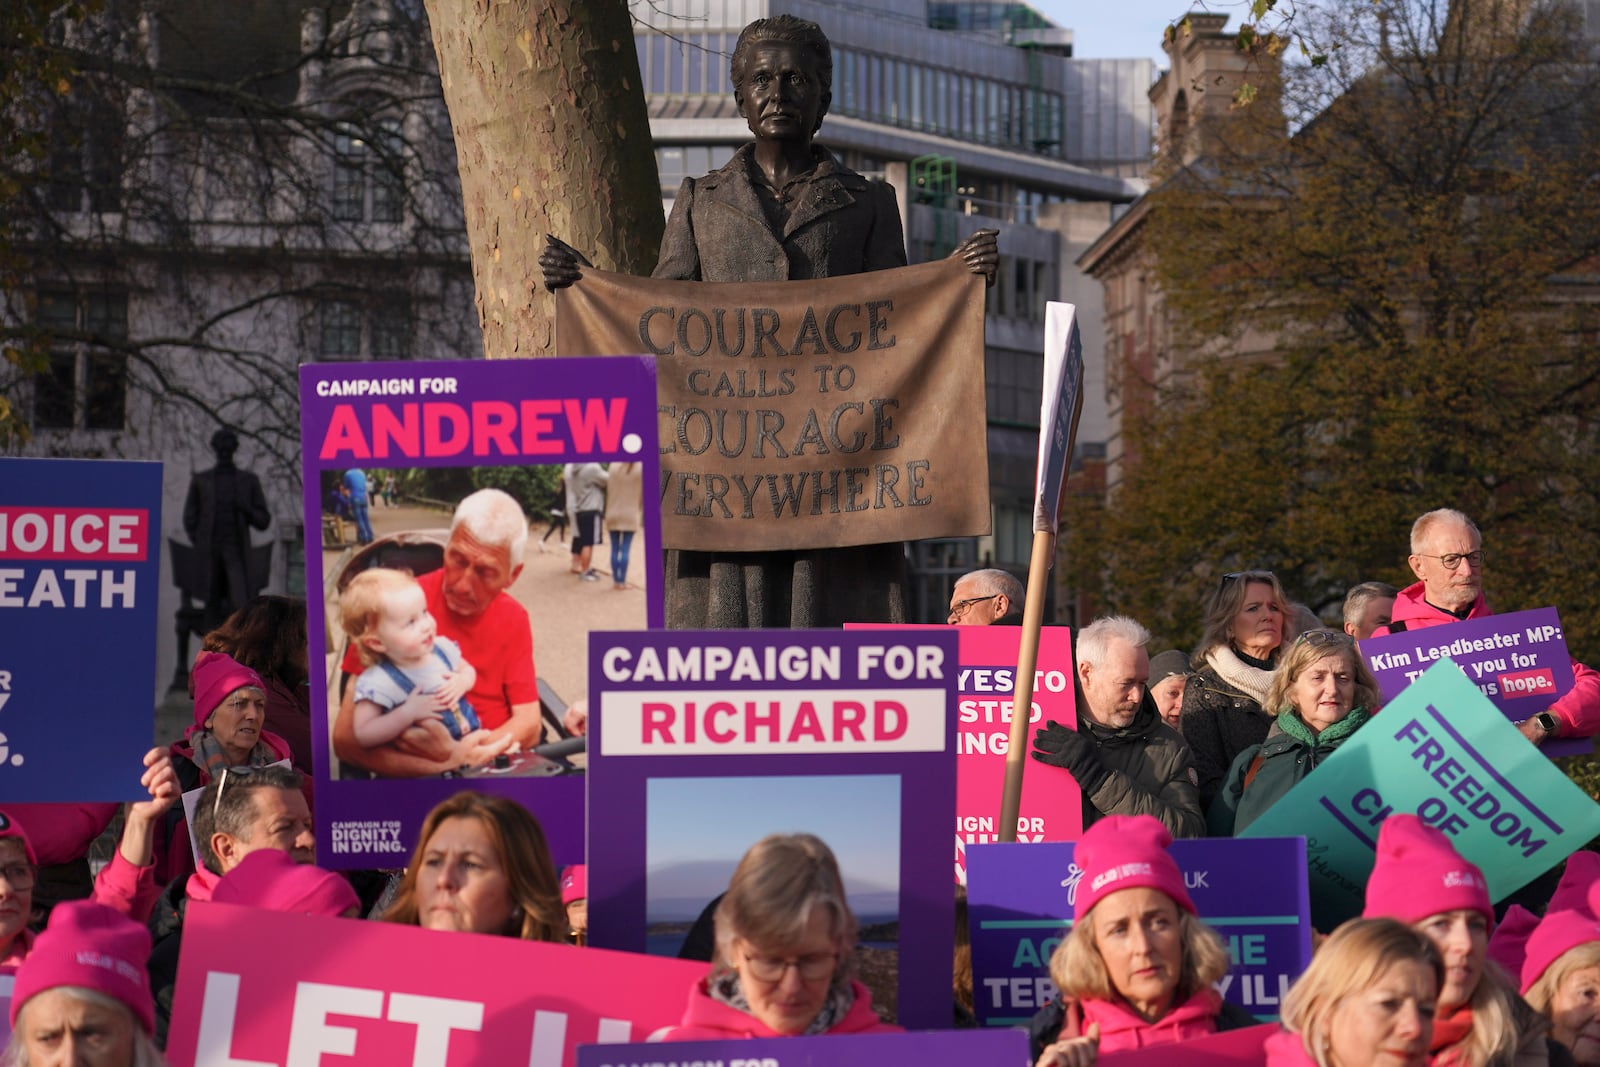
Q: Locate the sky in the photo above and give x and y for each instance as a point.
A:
(1126, 29)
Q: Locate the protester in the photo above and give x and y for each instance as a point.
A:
(1169, 676)
(274, 881)
(1124, 758)
(230, 703)
(991, 597)
(1238, 651)
(1367, 607)
(82, 998)
(482, 866)
(268, 635)
(624, 515)
(1367, 998)
(1138, 967)
(1508, 945)
(1419, 878)
(238, 813)
(575, 899)
(1447, 557)
(1325, 693)
(1561, 977)
(784, 963)
(61, 836)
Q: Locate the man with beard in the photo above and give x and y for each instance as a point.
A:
(1125, 759)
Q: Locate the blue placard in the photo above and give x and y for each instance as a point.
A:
(80, 563)
(1020, 900)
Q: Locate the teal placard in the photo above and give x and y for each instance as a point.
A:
(1441, 750)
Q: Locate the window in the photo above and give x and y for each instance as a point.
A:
(375, 328)
(369, 178)
(85, 165)
(85, 386)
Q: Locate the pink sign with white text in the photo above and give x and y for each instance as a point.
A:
(267, 989)
(1052, 804)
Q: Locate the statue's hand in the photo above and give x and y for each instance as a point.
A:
(560, 263)
(980, 252)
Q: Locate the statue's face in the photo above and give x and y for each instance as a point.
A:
(780, 97)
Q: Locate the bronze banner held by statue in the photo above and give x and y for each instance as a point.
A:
(798, 415)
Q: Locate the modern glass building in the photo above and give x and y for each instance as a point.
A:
(979, 115)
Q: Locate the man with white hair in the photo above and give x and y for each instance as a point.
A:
(990, 597)
(468, 600)
(1125, 759)
(1447, 557)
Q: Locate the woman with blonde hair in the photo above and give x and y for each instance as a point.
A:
(1367, 998)
(482, 866)
(1420, 879)
(1561, 977)
(1245, 625)
(784, 963)
(1138, 968)
(1323, 693)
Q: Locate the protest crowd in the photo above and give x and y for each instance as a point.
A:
(1430, 972)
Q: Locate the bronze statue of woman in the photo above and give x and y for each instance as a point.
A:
(782, 209)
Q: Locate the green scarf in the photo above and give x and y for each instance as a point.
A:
(1290, 722)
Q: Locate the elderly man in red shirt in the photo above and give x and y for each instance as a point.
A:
(467, 598)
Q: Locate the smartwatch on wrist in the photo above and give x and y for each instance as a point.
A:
(1547, 722)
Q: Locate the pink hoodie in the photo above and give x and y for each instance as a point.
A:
(1285, 1049)
(707, 1019)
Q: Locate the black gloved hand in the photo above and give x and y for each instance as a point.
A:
(1060, 747)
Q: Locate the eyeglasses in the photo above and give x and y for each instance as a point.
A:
(1452, 560)
(959, 608)
(813, 968)
(1317, 638)
(18, 876)
(222, 784)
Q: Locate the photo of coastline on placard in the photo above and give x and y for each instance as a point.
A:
(688, 869)
(564, 594)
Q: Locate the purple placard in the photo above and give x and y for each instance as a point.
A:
(704, 742)
(497, 423)
(1519, 661)
(1020, 899)
(955, 1048)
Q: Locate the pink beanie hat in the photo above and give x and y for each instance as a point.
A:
(9, 827)
(1572, 892)
(214, 676)
(269, 878)
(1508, 945)
(1419, 873)
(90, 946)
(1557, 934)
(1126, 852)
(574, 883)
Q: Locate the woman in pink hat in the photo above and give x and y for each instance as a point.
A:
(82, 998)
(1420, 879)
(1561, 977)
(1138, 968)
(1367, 999)
(785, 955)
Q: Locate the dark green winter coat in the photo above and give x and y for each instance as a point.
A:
(1291, 751)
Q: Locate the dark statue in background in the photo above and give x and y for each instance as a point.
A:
(223, 504)
(782, 209)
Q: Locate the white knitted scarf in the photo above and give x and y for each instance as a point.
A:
(1253, 682)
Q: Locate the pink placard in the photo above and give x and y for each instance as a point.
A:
(1052, 803)
(263, 989)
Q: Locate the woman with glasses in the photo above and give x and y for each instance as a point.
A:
(785, 945)
(1139, 967)
(1323, 693)
(230, 711)
(1223, 703)
(482, 867)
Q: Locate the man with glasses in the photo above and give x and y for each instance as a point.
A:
(987, 598)
(239, 812)
(1447, 557)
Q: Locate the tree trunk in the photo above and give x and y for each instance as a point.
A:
(551, 136)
